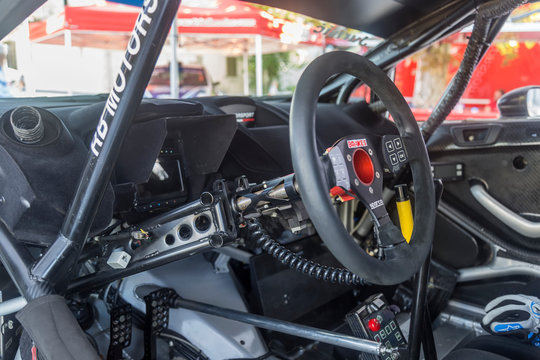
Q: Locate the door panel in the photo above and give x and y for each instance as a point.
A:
(502, 155)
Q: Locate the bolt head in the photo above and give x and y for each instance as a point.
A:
(356, 182)
(349, 158)
(370, 190)
(377, 175)
(370, 152)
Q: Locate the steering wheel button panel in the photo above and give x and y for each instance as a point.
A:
(395, 155)
(340, 168)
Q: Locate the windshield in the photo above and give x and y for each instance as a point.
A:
(222, 47)
(510, 63)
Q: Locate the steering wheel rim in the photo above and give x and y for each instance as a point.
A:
(406, 258)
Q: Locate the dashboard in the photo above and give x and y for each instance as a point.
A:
(176, 149)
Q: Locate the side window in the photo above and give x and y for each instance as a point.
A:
(511, 62)
(423, 77)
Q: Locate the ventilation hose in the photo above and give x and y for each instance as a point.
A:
(296, 262)
(473, 53)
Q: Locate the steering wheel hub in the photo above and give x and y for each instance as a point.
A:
(363, 166)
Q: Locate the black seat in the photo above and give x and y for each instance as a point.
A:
(492, 347)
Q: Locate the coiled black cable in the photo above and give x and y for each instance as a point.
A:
(296, 262)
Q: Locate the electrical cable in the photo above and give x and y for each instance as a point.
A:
(183, 346)
(296, 262)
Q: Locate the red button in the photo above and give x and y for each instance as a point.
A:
(374, 325)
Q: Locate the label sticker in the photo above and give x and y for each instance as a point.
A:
(352, 144)
(245, 116)
(376, 204)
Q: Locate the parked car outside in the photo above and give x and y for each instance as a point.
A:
(193, 82)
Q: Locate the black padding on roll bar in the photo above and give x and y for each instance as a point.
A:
(55, 331)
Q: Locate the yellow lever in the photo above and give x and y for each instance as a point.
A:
(405, 214)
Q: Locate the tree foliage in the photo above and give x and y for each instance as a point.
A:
(273, 65)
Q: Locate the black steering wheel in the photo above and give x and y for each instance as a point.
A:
(353, 166)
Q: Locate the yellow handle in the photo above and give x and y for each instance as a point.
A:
(405, 218)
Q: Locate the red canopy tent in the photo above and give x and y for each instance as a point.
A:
(89, 24)
(508, 64)
(212, 24)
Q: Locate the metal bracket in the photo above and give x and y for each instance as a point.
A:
(221, 264)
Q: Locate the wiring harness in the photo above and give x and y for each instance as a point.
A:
(296, 262)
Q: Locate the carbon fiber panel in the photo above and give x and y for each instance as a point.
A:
(510, 167)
